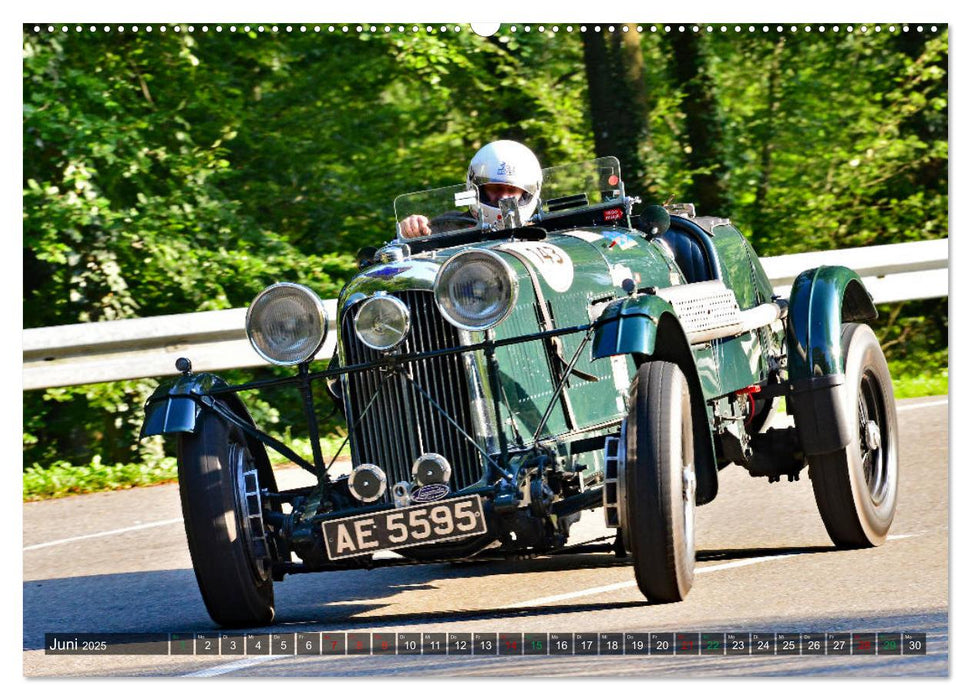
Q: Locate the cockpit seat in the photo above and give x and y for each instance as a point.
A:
(693, 250)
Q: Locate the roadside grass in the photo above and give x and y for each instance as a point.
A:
(910, 385)
(329, 444)
(64, 479)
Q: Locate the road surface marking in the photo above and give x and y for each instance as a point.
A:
(631, 584)
(912, 406)
(230, 667)
(574, 594)
(67, 540)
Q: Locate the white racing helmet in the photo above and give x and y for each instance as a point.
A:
(510, 163)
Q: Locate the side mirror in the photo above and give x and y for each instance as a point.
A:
(654, 220)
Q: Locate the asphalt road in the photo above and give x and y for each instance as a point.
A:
(117, 562)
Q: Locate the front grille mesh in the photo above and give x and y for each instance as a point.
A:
(401, 424)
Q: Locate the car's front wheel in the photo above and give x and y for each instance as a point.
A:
(222, 510)
(856, 487)
(659, 483)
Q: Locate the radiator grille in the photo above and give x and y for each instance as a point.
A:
(401, 424)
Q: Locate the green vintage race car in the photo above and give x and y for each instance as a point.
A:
(498, 381)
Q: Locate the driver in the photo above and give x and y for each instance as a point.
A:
(499, 170)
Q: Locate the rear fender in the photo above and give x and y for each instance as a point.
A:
(647, 328)
(821, 300)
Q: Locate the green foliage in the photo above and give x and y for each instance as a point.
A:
(62, 478)
(329, 445)
(914, 337)
(834, 141)
(65, 479)
(928, 382)
(78, 423)
(124, 210)
(174, 172)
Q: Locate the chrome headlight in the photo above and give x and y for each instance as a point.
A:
(382, 321)
(286, 323)
(475, 290)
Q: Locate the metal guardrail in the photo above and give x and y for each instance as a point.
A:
(89, 353)
(895, 272)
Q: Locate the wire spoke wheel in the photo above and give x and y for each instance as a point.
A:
(249, 504)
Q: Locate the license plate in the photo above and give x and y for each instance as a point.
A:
(404, 527)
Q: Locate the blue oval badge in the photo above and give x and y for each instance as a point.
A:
(430, 492)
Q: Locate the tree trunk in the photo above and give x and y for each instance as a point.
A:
(766, 135)
(619, 107)
(703, 131)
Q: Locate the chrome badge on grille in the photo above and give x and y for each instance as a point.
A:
(430, 492)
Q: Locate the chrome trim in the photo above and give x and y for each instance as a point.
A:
(401, 424)
(483, 412)
(401, 493)
(622, 500)
(689, 484)
(393, 252)
(614, 455)
(588, 431)
(250, 502)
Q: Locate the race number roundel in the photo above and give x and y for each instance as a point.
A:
(552, 262)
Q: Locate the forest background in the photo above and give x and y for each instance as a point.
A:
(183, 170)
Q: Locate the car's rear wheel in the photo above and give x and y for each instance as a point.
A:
(659, 483)
(856, 487)
(223, 514)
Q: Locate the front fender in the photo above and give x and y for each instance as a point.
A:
(635, 326)
(629, 326)
(172, 408)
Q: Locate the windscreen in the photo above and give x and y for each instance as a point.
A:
(576, 186)
(448, 209)
(565, 188)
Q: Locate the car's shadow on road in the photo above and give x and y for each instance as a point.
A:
(169, 600)
(567, 561)
(724, 555)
